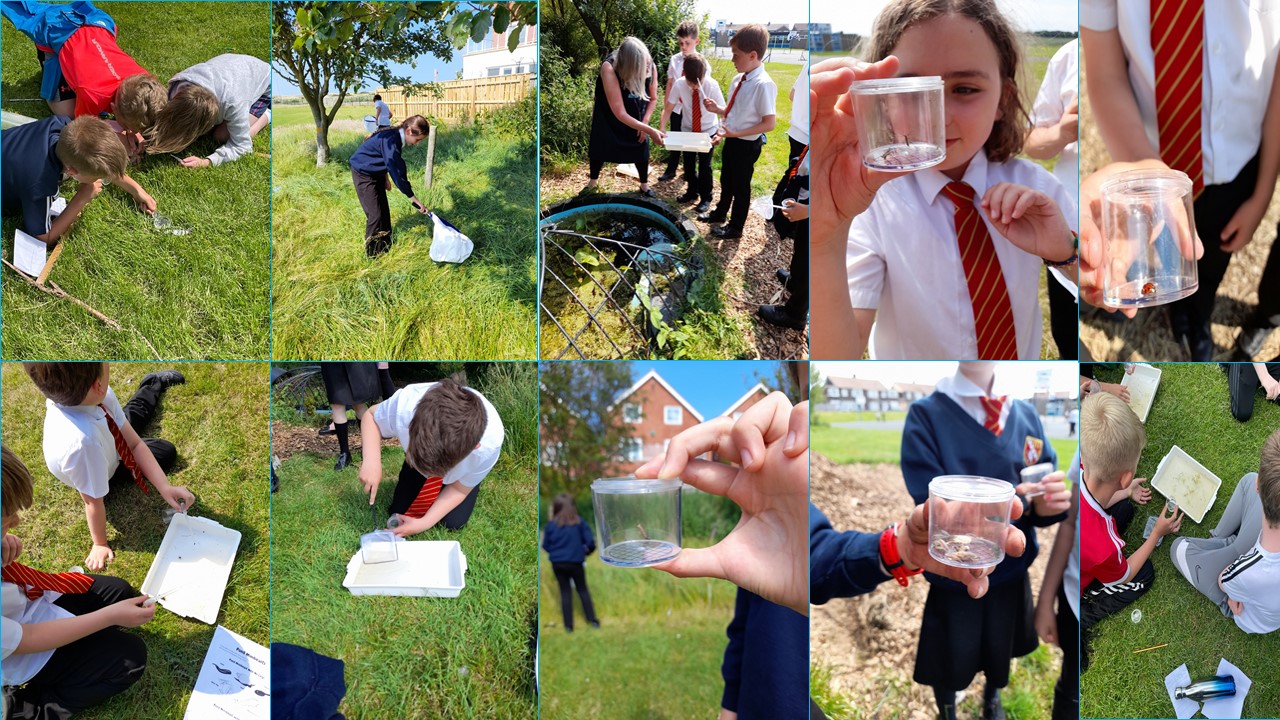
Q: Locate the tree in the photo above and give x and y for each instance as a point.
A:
(582, 431)
(817, 391)
(335, 47)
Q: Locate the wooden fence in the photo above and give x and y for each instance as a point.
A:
(459, 99)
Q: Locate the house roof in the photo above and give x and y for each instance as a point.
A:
(856, 384)
(759, 387)
(913, 388)
(653, 375)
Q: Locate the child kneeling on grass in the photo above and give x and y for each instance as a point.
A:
(374, 166)
(229, 94)
(63, 651)
(1238, 565)
(91, 444)
(452, 437)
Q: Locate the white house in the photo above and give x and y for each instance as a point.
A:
(854, 395)
(490, 57)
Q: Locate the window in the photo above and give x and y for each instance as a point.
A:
(631, 413)
(672, 415)
(633, 449)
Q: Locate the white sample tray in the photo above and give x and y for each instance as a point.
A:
(426, 568)
(1181, 479)
(687, 142)
(192, 566)
(1142, 386)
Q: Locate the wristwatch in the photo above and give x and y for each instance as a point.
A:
(891, 559)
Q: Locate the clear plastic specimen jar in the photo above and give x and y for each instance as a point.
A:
(968, 516)
(1148, 238)
(379, 546)
(901, 123)
(1036, 474)
(639, 520)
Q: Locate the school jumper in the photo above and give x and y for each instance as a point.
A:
(766, 663)
(241, 83)
(31, 171)
(376, 158)
(567, 548)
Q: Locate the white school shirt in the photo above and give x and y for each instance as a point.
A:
(682, 93)
(78, 447)
(1241, 38)
(966, 393)
(1060, 88)
(1253, 580)
(755, 100)
(394, 415)
(675, 73)
(800, 107)
(383, 117)
(18, 668)
(903, 261)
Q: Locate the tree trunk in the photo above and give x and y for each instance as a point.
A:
(321, 122)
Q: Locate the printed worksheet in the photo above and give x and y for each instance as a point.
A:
(29, 254)
(234, 681)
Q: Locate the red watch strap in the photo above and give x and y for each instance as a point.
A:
(891, 559)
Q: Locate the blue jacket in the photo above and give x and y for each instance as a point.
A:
(31, 171)
(841, 564)
(382, 153)
(766, 663)
(568, 543)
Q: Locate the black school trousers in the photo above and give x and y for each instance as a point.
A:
(737, 165)
(372, 192)
(139, 412)
(409, 484)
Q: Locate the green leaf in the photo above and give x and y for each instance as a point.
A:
(501, 18)
(480, 25)
(514, 38)
(586, 257)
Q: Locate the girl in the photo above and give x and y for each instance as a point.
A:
(376, 164)
(229, 95)
(944, 264)
(354, 385)
(568, 541)
(626, 95)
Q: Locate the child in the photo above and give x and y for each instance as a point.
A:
(963, 429)
(1113, 438)
(91, 442)
(568, 541)
(1238, 565)
(689, 91)
(944, 263)
(381, 113)
(1061, 626)
(452, 437)
(687, 37)
(87, 73)
(752, 95)
(792, 220)
(229, 94)
(374, 166)
(63, 651)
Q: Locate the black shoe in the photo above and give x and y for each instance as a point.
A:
(328, 430)
(1202, 347)
(595, 624)
(778, 315)
(728, 232)
(163, 378)
(993, 710)
(344, 459)
(568, 628)
(947, 713)
(1251, 340)
(784, 277)
(668, 175)
(375, 248)
(713, 217)
(649, 193)
(702, 207)
(687, 197)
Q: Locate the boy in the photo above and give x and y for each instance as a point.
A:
(62, 649)
(229, 94)
(689, 92)
(1238, 565)
(85, 71)
(90, 441)
(747, 117)
(451, 436)
(1112, 438)
(687, 36)
(381, 113)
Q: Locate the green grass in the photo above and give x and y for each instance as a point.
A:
(1191, 410)
(200, 296)
(332, 302)
(218, 421)
(283, 116)
(845, 446)
(470, 656)
(827, 418)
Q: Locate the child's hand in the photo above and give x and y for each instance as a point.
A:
(768, 478)
(388, 183)
(1167, 524)
(1029, 219)
(1046, 622)
(131, 613)
(1116, 389)
(794, 211)
(410, 526)
(1054, 498)
(179, 498)
(718, 137)
(370, 476)
(12, 548)
(1138, 493)
(147, 202)
(728, 715)
(1236, 606)
(196, 162)
(419, 205)
(1069, 123)
(913, 548)
(99, 556)
(1271, 386)
(1240, 228)
(90, 190)
(712, 106)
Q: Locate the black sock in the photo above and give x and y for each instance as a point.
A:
(384, 380)
(990, 694)
(945, 699)
(340, 429)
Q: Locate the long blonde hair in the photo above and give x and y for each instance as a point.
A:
(631, 63)
(188, 115)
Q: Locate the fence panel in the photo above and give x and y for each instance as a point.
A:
(460, 99)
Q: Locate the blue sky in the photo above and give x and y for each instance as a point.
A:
(427, 66)
(709, 385)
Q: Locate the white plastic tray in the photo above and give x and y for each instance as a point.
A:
(426, 568)
(1180, 478)
(687, 142)
(192, 566)
(1142, 386)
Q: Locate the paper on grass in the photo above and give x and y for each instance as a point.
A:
(1184, 708)
(1228, 707)
(234, 680)
(57, 207)
(29, 254)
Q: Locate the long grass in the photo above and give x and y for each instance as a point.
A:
(218, 421)
(200, 296)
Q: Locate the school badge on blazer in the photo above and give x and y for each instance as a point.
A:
(1031, 450)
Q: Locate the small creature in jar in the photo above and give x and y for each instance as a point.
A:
(1149, 289)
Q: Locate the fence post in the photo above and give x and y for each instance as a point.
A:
(473, 99)
(431, 155)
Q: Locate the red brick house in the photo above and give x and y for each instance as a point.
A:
(657, 413)
(744, 403)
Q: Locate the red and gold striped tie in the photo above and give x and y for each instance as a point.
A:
(992, 311)
(697, 111)
(1177, 36)
(122, 449)
(37, 581)
(426, 497)
(993, 406)
(733, 96)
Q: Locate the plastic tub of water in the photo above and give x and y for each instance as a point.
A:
(968, 516)
(1148, 236)
(379, 546)
(639, 520)
(901, 124)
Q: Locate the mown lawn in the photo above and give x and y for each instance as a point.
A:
(843, 445)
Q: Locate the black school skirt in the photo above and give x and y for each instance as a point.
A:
(961, 637)
(350, 383)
